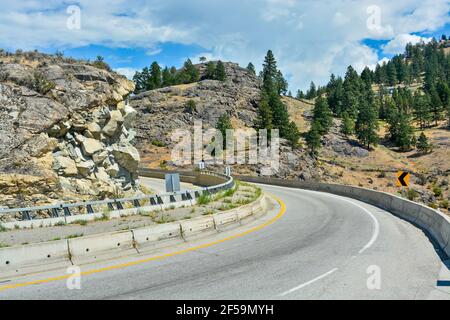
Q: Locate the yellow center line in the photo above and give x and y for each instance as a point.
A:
(159, 257)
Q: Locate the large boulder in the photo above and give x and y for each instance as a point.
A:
(91, 146)
(127, 156)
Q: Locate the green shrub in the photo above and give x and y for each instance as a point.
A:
(158, 143)
(437, 191)
(100, 64)
(433, 205)
(2, 228)
(204, 199)
(190, 106)
(38, 83)
(412, 194)
(444, 204)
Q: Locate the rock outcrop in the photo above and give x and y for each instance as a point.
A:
(65, 131)
(163, 110)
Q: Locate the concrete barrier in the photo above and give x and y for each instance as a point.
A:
(197, 226)
(433, 221)
(101, 246)
(56, 254)
(34, 257)
(156, 236)
(223, 221)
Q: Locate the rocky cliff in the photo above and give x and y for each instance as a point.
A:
(65, 131)
(161, 111)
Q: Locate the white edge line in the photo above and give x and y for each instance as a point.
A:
(309, 282)
(376, 231)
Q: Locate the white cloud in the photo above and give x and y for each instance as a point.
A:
(397, 45)
(127, 72)
(310, 39)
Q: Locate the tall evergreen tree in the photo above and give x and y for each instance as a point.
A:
(322, 115)
(312, 92)
(348, 125)
(282, 84)
(251, 68)
(436, 105)
(367, 125)
(210, 70)
(220, 73)
(155, 76)
(223, 124)
(314, 139)
(422, 110)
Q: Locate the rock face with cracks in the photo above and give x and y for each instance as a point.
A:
(65, 131)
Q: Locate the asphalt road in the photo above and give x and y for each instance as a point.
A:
(323, 247)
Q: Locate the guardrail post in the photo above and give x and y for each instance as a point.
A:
(89, 209)
(26, 215)
(67, 211)
(119, 205)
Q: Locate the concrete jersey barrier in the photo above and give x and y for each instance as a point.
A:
(432, 221)
(115, 244)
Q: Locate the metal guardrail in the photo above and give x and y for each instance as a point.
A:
(91, 207)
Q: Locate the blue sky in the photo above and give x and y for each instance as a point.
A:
(310, 38)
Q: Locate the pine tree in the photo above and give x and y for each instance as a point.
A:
(367, 125)
(223, 124)
(280, 115)
(436, 105)
(312, 92)
(167, 78)
(282, 84)
(210, 70)
(336, 96)
(220, 73)
(264, 120)
(391, 74)
(155, 76)
(269, 72)
(251, 68)
(322, 115)
(313, 139)
(300, 95)
(423, 146)
(292, 134)
(422, 110)
(400, 131)
(348, 125)
(189, 73)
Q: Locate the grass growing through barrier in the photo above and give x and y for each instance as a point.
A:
(80, 222)
(3, 245)
(104, 217)
(76, 235)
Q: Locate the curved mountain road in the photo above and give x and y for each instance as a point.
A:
(323, 247)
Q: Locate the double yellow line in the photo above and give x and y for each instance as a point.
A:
(159, 257)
